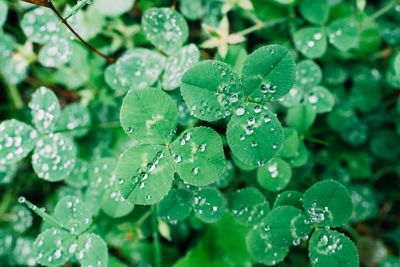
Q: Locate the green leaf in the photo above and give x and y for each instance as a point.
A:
(17, 139)
(235, 57)
(248, 206)
(191, 9)
(72, 214)
(92, 251)
(365, 204)
(113, 204)
(7, 173)
(45, 109)
(384, 144)
(74, 119)
(285, 226)
(293, 98)
(268, 73)
(198, 156)
(3, 13)
(301, 117)
(55, 53)
(175, 206)
(76, 8)
(227, 177)
(16, 70)
(177, 64)
(310, 41)
(316, 12)
(21, 218)
(301, 156)
(101, 173)
(396, 64)
(23, 252)
(144, 174)
(41, 25)
(262, 250)
(290, 143)
(54, 247)
(7, 43)
(149, 115)
(344, 33)
(6, 241)
(320, 98)
(308, 74)
(331, 248)
(165, 28)
(136, 68)
(114, 9)
(211, 89)
(289, 198)
(254, 134)
(209, 204)
(275, 175)
(79, 175)
(54, 157)
(328, 203)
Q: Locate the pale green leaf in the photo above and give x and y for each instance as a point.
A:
(73, 214)
(54, 157)
(311, 41)
(45, 109)
(165, 28)
(17, 139)
(177, 64)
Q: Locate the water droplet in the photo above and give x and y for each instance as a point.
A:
(195, 171)
(21, 199)
(240, 111)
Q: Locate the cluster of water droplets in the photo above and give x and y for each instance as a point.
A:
(139, 179)
(318, 214)
(309, 42)
(258, 117)
(330, 244)
(137, 68)
(54, 157)
(45, 109)
(201, 205)
(165, 28)
(16, 140)
(178, 64)
(41, 25)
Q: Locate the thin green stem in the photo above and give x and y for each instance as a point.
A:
(5, 202)
(261, 25)
(108, 58)
(315, 140)
(156, 240)
(385, 9)
(102, 126)
(13, 94)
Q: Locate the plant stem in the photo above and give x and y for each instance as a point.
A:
(102, 126)
(261, 25)
(5, 201)
(385, 9)
(108, 58)
(315, 140)
(13, 94)
(156, 240)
